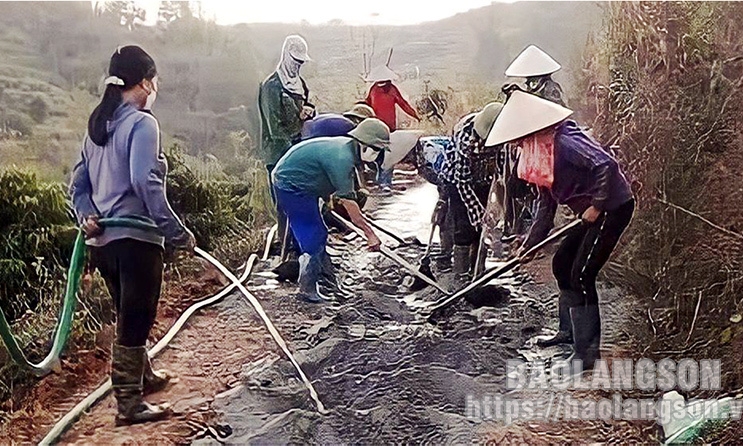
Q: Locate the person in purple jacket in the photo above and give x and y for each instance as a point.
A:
(571, 169)
(333, 124)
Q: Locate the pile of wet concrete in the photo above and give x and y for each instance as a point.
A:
(383, 370)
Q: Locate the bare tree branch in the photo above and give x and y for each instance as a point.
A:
(686, 211)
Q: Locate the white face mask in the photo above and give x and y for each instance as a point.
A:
(368, 154)
(150, 100)
(152, 95)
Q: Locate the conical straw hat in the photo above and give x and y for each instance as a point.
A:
(381, 73)
(523, 115)
(401, 143)
(532, 62)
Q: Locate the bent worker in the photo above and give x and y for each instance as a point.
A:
(316, 169)
(384, 97)
(283, 103)
(332, 124)
(467, 173)
(569, 167)
(537, 67)
(121, 173)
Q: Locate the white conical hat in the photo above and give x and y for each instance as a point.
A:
(401, 143)
(523, 115)
(381, 73)
(532, 62)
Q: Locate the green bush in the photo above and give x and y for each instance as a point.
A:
(671, 101)
(223, 207)
(34, 239)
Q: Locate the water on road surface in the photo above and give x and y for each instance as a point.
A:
(386, 374)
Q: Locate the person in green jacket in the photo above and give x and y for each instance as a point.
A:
(283, 103)
(319, 168)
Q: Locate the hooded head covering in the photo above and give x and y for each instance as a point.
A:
(293, 55)
(360, 111)
(532, 62)
(373, 133)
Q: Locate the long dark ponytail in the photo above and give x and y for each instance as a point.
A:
(128, 67)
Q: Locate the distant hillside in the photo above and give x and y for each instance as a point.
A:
(476, 45)
(54, 57)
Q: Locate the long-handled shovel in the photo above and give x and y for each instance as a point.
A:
(482, 254)
(392, 255)
(424, 266)
(499, 270)
(397, 238)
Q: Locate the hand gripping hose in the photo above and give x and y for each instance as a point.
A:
(64, 325)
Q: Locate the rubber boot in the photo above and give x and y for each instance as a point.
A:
(443, 259)
(474, 254)
(461, 259)
(586, 321)
(154, 380)
(564, 334)
(310, 270)
(127, 370)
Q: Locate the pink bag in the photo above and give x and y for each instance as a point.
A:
(537, 160)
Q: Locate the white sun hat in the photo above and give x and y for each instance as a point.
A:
(401, 143)
(523, 115)
(381, 73)
(532, 62)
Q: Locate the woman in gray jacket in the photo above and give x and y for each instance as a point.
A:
(121, 173)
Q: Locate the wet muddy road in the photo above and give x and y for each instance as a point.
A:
(386, 374)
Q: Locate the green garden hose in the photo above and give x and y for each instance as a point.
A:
(64, 325)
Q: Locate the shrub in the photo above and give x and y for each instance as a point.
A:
(671, 100)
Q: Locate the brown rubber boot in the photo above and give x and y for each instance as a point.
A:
(127, 370)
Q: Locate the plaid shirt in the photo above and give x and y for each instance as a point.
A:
(457, 170)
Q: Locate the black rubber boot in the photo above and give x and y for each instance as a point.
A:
(461, 259)
(475, 252)
(154, 380)
(443, 259)
(586, 334)
(127, 370)
(564, 334)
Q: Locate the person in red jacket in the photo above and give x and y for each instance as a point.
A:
(383, 96)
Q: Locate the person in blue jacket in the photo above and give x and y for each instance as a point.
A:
(121, 173)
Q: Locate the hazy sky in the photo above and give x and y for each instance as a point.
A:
(355, 12)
